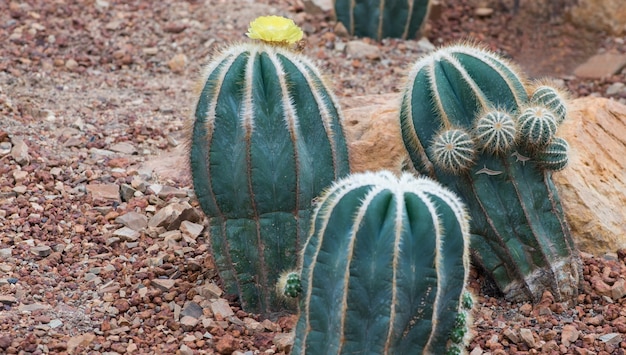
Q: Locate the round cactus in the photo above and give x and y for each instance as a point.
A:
(266, 140)
(519, 233)
(554, 156)
(552, 99)
(495, 131)
(453, 150)
(537, 126)
(384, 269)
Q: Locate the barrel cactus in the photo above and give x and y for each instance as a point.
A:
(384, 269)
(472, 122)
(383, 18)
(265, 141)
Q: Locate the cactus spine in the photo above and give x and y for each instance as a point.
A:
(519, 233)
(266, 140)
(384, 269)
(383, 18)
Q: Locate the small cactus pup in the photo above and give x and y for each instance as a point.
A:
(383, 18)
(384, 269)
(471, 121)
(266, 139)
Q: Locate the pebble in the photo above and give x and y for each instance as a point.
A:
(55, 323)
(527, 337)
(104, 191)
(5, 148)
(221, 308)
(42, 250)
(126, 234)
(192, 309)
(178, 63)
(19, 152)
(163, 284)
(358, 49)
(123, 147)
(8, 299)
(483, 11)
(191, 229)
(133, 220)
(613, 89)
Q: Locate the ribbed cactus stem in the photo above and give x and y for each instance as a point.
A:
(384, 269)
(266, 140)
(519, 232)
(379, 19)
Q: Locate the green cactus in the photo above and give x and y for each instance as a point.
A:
(384, 269)
(519, 233)
(266, 140)
(383, 18)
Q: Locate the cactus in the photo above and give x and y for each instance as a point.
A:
(266, 140)
(519, 233)
(383, 18)
(384, 269)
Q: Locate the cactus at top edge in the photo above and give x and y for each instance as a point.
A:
(384, 269)
(266, 140)
(519, 233)
(383, 18)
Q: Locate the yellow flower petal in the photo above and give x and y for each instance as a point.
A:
(275, 29)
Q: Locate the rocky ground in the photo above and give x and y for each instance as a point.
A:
(102, 247)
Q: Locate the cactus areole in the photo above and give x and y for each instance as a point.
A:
(266, 140)
(501, 167)
(384, 270)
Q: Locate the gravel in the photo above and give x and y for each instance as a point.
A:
(100, 254)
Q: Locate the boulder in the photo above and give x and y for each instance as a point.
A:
(593, 186)
(600, 15)
(373, 133)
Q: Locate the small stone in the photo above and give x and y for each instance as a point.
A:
(123, 147)
(71, 64)
(209, 291)
(615, 89)
(127, 234)
(5, 342)
(226, 344)
(163, 284)
(284, 342)
(169, 191)
(611, 338)
(185, 350)
(221, 308)
(188, 323)
(127, 192)
(42, 250)
(150, 51)
(527, 337)
(19, 152)
(569, 334)
(191, 229)
(511, 335)
(477, 351)
(32, 307)
(483, 11)
(618, 290)
(177, 63)
(163, 217)
(360, 50)
(133, 220)
(5, 148)
(104, 191)
(5, 253)
(55, 323)
(7, 299)
(192, 309)
(425, 45)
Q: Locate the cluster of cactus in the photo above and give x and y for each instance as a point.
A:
(470, 121)
(266, 140)
(383, 18)
(384, 269)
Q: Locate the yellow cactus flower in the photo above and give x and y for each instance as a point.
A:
(275, 29)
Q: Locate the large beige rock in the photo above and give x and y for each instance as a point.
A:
(593, 186)
(373, 133)
(600, 15)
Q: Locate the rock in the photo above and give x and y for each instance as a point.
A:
(611, 338)
(592, 187)
(600, 15)
(123, 147)
(483, 11)
(601, 66)
(104, 191)
(284, 342)
(569, 334)
(7, 299)
(191, 229)
(316, 7)
(188, 322)
(527, 337)
(209, 290)
(5, 148)
(373, 133)
(5, 342)
(126, 234)
(41, 250)
(226, 344)
(616, 89)
(133, 220)
(19, 152)
(221, 308)
(178, 63)
(163, 284)
(618, 290)
(83, 340)
(191, 309)
(511, 335)
(360, 50)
